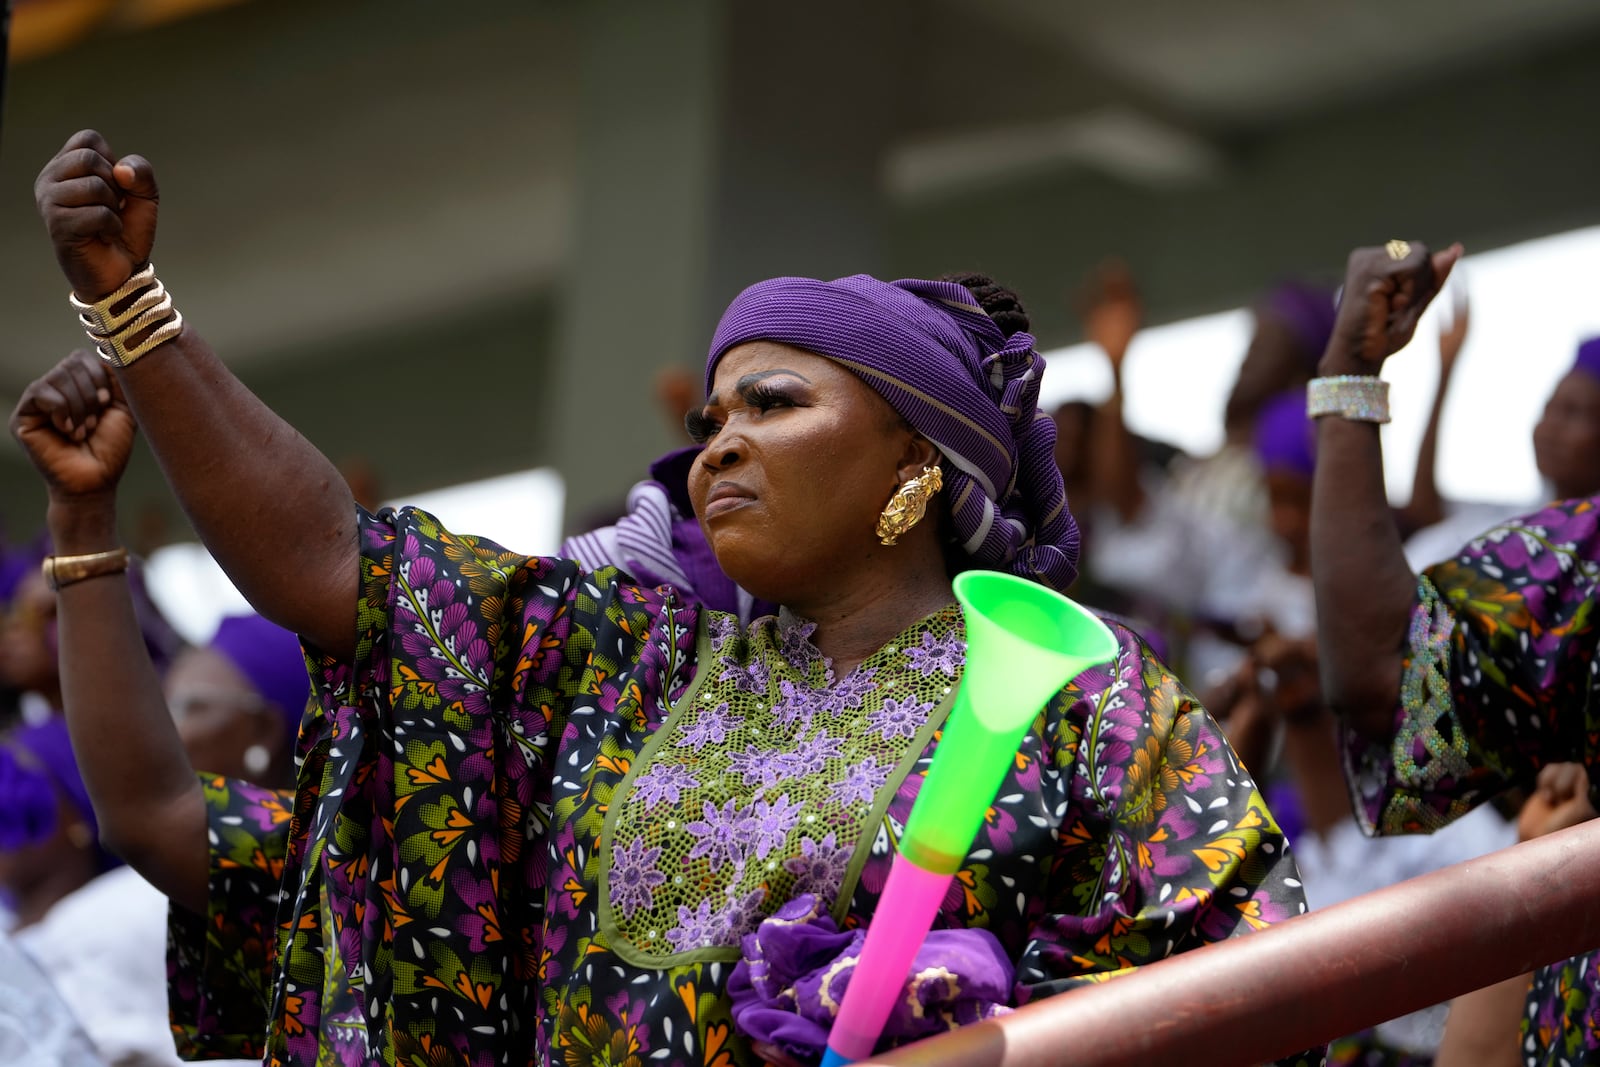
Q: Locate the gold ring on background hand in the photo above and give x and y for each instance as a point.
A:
(1397, 249)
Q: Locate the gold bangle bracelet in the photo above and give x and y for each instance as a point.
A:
(149, 308)
(64, 570)
(115, 352)
(108, 324)
(98, 316)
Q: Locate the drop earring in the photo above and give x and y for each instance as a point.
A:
(905, 509)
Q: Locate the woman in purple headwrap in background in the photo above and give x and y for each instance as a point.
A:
(97, 929)
(239, 699)
(1188, 547)
(1191, 549)
(545, 814)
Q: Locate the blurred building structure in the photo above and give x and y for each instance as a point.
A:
(462, 239)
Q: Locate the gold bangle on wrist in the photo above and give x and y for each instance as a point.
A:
(97, 317)
(64, 570)
(149, 307)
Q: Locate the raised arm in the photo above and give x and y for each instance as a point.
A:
(1111, 321)
(1426, 506)
(146, 797)
(272, 509)
(1364, 586)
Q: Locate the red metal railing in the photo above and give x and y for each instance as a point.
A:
(1315, 977)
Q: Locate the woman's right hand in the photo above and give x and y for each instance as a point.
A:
(76, 428)
(1381, 302)
(100, 212)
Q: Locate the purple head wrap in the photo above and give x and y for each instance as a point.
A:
(1284, 435)
(1588, 359)
(1308, 311)
(945, 366)
(28, 793)
(270, 657)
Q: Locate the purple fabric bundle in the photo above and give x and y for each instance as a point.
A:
(787, 987)
(270, 657)
(1285, 436)
(1588, 359)
(945, 366)
(1308, 311)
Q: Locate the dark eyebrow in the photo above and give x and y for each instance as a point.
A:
(750, 379)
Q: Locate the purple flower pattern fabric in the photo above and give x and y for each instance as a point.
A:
(469, 866)
(1500, 678)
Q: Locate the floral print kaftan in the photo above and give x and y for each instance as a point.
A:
(1501, 677)
(542, 805)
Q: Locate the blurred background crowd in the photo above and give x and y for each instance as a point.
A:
(561, 197)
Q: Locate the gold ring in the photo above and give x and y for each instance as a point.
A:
(1397, 249)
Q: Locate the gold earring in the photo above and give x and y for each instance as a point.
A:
(904, 510)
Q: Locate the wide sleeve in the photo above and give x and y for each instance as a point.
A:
(427, 764)
(449, 627)
(1166, 843)
(219, 966)
(1498, 676)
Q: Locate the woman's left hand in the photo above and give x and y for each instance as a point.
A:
(1385, 292)
(76, 429)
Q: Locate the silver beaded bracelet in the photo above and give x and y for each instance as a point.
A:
(1360, 397)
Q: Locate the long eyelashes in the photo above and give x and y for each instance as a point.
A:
(702, 427)
(764, 397)
(699, 426)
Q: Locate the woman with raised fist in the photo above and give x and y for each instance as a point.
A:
(544, 813)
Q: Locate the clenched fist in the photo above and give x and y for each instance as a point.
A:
(76, 428)
(100, 212)
(1382, 299)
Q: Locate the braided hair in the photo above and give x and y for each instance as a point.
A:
(1001, 304)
